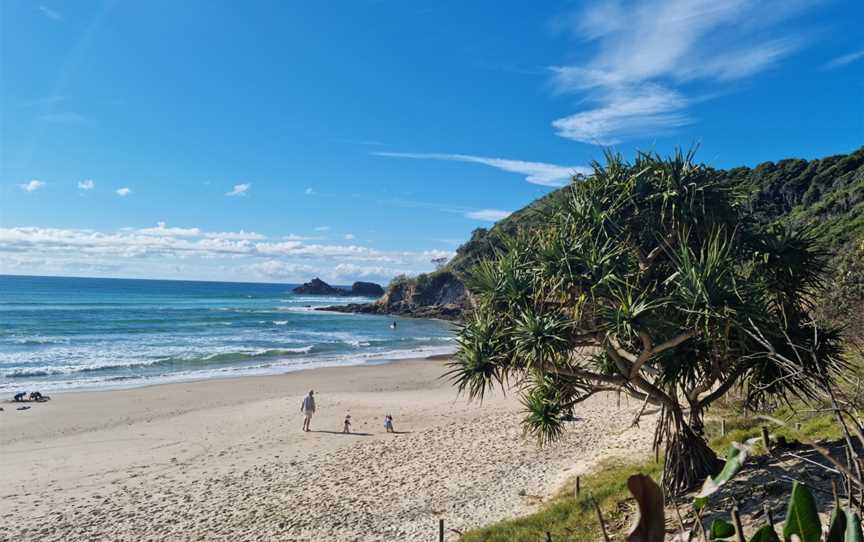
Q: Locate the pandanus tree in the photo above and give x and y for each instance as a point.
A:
(649, 280)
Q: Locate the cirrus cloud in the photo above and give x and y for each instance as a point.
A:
(489, 215)
(536, 172)
(643, 54)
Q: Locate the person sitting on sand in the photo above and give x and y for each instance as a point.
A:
(19, 396)
(346, 428)
(388, 423)
(37, 396)
(308, 409)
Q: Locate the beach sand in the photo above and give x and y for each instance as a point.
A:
(226, 459)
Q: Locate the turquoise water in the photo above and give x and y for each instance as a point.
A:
(61, 333)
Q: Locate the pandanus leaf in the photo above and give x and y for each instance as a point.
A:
(736, 455)
(720, 529)
(651, 522)
(802, 518)
(853, 527)
(837, 530)
(765, 534)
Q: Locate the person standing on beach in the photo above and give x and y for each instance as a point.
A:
(308, 408)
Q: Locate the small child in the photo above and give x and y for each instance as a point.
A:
(347, 427)
(388, 423)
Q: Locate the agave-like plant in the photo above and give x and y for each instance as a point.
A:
(650, 280)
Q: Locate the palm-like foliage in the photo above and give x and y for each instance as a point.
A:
(649, 280)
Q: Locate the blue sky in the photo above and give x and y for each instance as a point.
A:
(276, 141)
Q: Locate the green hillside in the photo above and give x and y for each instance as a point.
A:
(827, 193)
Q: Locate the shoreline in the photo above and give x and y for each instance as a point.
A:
(225, 458)
(386, 359)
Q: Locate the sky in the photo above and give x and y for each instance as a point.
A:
(357, 140)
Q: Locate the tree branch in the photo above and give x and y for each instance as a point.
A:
(649, 350)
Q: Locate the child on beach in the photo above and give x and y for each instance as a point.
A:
(346, 428)
(388, 423)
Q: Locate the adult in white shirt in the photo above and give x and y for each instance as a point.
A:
(308, 408)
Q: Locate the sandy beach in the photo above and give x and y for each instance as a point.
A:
(226, 459)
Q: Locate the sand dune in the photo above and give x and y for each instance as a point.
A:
(226, 460)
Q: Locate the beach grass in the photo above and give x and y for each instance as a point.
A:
(567, 517)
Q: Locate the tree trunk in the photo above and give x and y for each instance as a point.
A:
(689, 459)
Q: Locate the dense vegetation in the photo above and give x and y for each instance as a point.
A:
(827, 193)
(652, 279)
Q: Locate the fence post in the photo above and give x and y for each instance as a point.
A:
(723, 427)
(578, 487)
(768, 515)
(441, 530)
(736, 518)
(766, 438)
(548, 536)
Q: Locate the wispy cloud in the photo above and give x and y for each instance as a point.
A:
(322, 228)
(87, 184)
(348, 236)
(239, 189)
(32, 186)
(645, 53)
(489, 215)
(843, 60)
(123, 192)
(51, 13)
(537, 172)
(309, 191)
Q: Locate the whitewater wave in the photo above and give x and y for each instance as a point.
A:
(177, 362)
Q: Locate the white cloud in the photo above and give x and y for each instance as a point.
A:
(123, 192)
(162, 230)
(241, 235)
(87, 184)
(348, 236)
(50, 13)
(309, 191)
(645, 52)
(322, 228)
(32, 186)
(239, 189)
(279, 270)
(490, 215)
(162, 250)
(843, 60)
(537, 172)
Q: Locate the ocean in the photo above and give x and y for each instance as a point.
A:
(85, 333)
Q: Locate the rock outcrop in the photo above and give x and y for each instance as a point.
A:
(318, 287)
(433, 295)
(367, 289)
